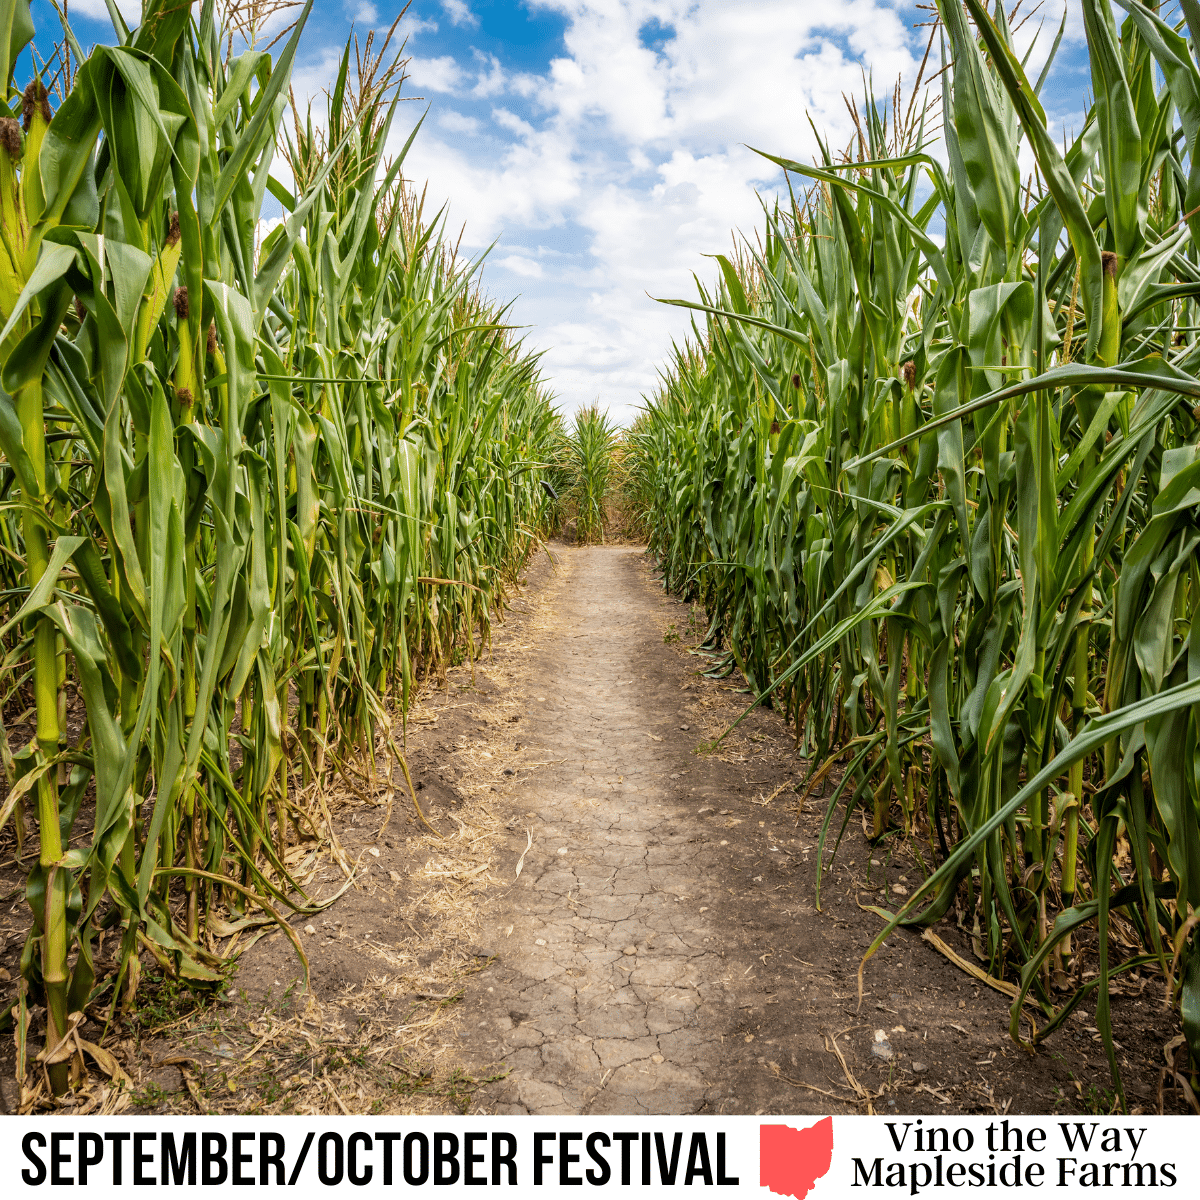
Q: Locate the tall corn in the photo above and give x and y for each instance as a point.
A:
(250, 491)
(939, 498)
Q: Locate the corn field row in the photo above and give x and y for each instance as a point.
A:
(931, 460)
(248, 490)
(585, 472)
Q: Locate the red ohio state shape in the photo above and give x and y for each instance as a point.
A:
(791, 1160)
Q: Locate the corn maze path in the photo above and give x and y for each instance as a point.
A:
(660, 950)
(628, 975)
(646, 939)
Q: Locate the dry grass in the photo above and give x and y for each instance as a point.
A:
(389, 1043)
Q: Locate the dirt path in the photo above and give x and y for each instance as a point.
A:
(660, 951)
(613, 918)
(617, 966)
(653, 955)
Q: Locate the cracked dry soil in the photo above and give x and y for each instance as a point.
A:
(660, 951)
(618, 967)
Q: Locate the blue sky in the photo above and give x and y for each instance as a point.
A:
(602, 144)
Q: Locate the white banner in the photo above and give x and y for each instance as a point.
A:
(931, 1156)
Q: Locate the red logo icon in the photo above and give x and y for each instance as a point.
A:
(791, 1160)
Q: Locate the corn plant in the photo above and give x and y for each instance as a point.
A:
(587, 470)
(938, 499)
(250, 491)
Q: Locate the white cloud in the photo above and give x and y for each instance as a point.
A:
(628, 153)
(412, 25)
(97, 10)
(456, 122)
(492, 79)
(460, 14)
(363, 11)
(530, 183)
(637, 154)
(513, 123)
(441, 74)
(519, 264)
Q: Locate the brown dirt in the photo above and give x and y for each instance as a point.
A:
(659, 950)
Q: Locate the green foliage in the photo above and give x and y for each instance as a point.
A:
(247, 489)
(588, 471)
(939, 499)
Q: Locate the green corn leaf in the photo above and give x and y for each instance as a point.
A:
(1054, 170)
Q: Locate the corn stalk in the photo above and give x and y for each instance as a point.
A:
(938, 497)
(251, 491)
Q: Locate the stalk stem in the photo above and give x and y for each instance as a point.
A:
(53, 918)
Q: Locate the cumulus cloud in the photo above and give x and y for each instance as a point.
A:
(519, 264)
(491, 78)
(630, 151)
(97, 10)
(529, 183)
(456, 122)
(440, 74)
(513, 123)
(460, 14)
